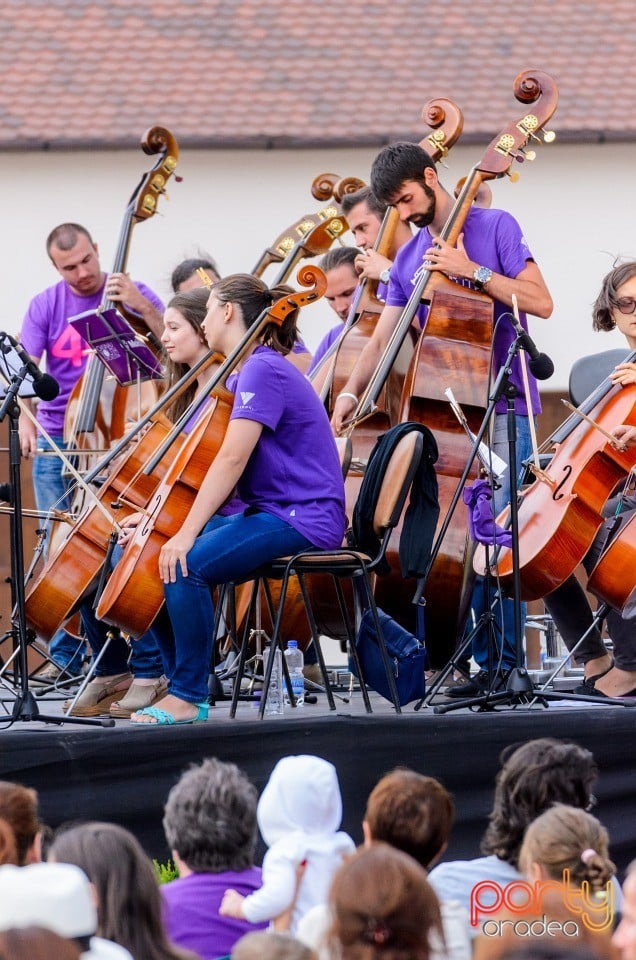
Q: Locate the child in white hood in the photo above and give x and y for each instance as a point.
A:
(298, 814)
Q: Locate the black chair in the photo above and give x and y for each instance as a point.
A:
(588, 372)
(346, 563)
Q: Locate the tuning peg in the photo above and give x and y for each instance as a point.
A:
(514, 176)
(549, 136)
(528, 155)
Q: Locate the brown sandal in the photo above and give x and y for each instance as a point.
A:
(138, 696)
(96, 699)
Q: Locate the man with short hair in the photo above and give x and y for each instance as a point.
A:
(46, 330)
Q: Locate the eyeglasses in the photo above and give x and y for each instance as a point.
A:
(625, 305)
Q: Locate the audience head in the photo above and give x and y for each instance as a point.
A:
(302, 793)
(338, 266)
(382, 906)
(567, 838)
(128, 898)
(605, 312)
(266, 945)
(532, 778)
(185, 276)
(411, 812)
(36, 943)
(624, 939)
(57, 896)
(19, 811)
(210, 818)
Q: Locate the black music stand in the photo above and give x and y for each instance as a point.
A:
(117, 345)
(25, 707)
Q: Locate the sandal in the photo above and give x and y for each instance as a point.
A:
(138, 696)
(164, 718)
(96, 699)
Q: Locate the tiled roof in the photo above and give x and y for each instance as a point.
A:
(296, 73)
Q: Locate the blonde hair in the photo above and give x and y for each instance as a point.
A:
(566, 838)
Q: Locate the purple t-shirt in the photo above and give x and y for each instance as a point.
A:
(294, 472)
(45, 329)
(324, 346)
(492, 238)
(191, 911)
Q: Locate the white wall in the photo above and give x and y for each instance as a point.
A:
(576, 205)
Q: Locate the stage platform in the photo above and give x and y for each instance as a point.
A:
(123, 774)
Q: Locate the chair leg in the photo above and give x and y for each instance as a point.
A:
(381, 642)
(315, 636)
(351, 645)
(273, 647)
(244, 649)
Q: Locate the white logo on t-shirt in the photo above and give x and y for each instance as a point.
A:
(292, 513)
(246, 397)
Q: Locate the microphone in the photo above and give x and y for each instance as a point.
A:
(45, 386)
(540, 364)
(6, 493)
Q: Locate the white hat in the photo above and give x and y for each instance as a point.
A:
(53, 895)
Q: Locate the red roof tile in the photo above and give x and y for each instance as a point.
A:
(241, 72)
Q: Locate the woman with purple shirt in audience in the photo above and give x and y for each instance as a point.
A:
(280, 454)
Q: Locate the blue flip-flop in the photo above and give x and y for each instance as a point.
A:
(165, 719)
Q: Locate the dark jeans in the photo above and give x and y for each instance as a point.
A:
(570, 609)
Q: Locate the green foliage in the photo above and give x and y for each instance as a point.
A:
(165, 872)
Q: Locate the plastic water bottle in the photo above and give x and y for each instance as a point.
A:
(274, 702)
(295, 662)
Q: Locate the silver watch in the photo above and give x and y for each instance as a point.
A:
(386, 273)
(481, 276)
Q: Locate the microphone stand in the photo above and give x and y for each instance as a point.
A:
(25, 706)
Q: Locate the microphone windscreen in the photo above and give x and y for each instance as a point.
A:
(541, 367)
(46, 387)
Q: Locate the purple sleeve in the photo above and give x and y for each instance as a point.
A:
(33, 335)
(150, 295)
(259, 394)
(512, 246)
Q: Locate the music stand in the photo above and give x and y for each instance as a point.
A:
(117, 345)
(19, 382)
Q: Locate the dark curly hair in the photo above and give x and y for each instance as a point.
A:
(532, 778)
(396, 164)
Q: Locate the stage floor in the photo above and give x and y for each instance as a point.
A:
(123, 774)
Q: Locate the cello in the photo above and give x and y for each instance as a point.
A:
(98, 409)
(72, 569)
(133, 595)
(561, 512)
(454, 350)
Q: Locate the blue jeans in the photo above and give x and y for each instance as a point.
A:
(51, 490)
(142, 657)
(503, 609)
(229, 548)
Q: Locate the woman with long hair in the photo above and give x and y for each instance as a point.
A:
(127, 892)
(280, 454)
(383, 908)
(125, 681)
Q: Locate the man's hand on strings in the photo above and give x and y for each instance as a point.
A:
(453, 261)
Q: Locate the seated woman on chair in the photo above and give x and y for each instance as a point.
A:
(120, 686)
(568, 605)
(281, 455)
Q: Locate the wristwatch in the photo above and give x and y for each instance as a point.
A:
(481, 276)
(386, 273)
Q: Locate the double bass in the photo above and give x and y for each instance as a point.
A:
(98, 408)
(454, 350)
